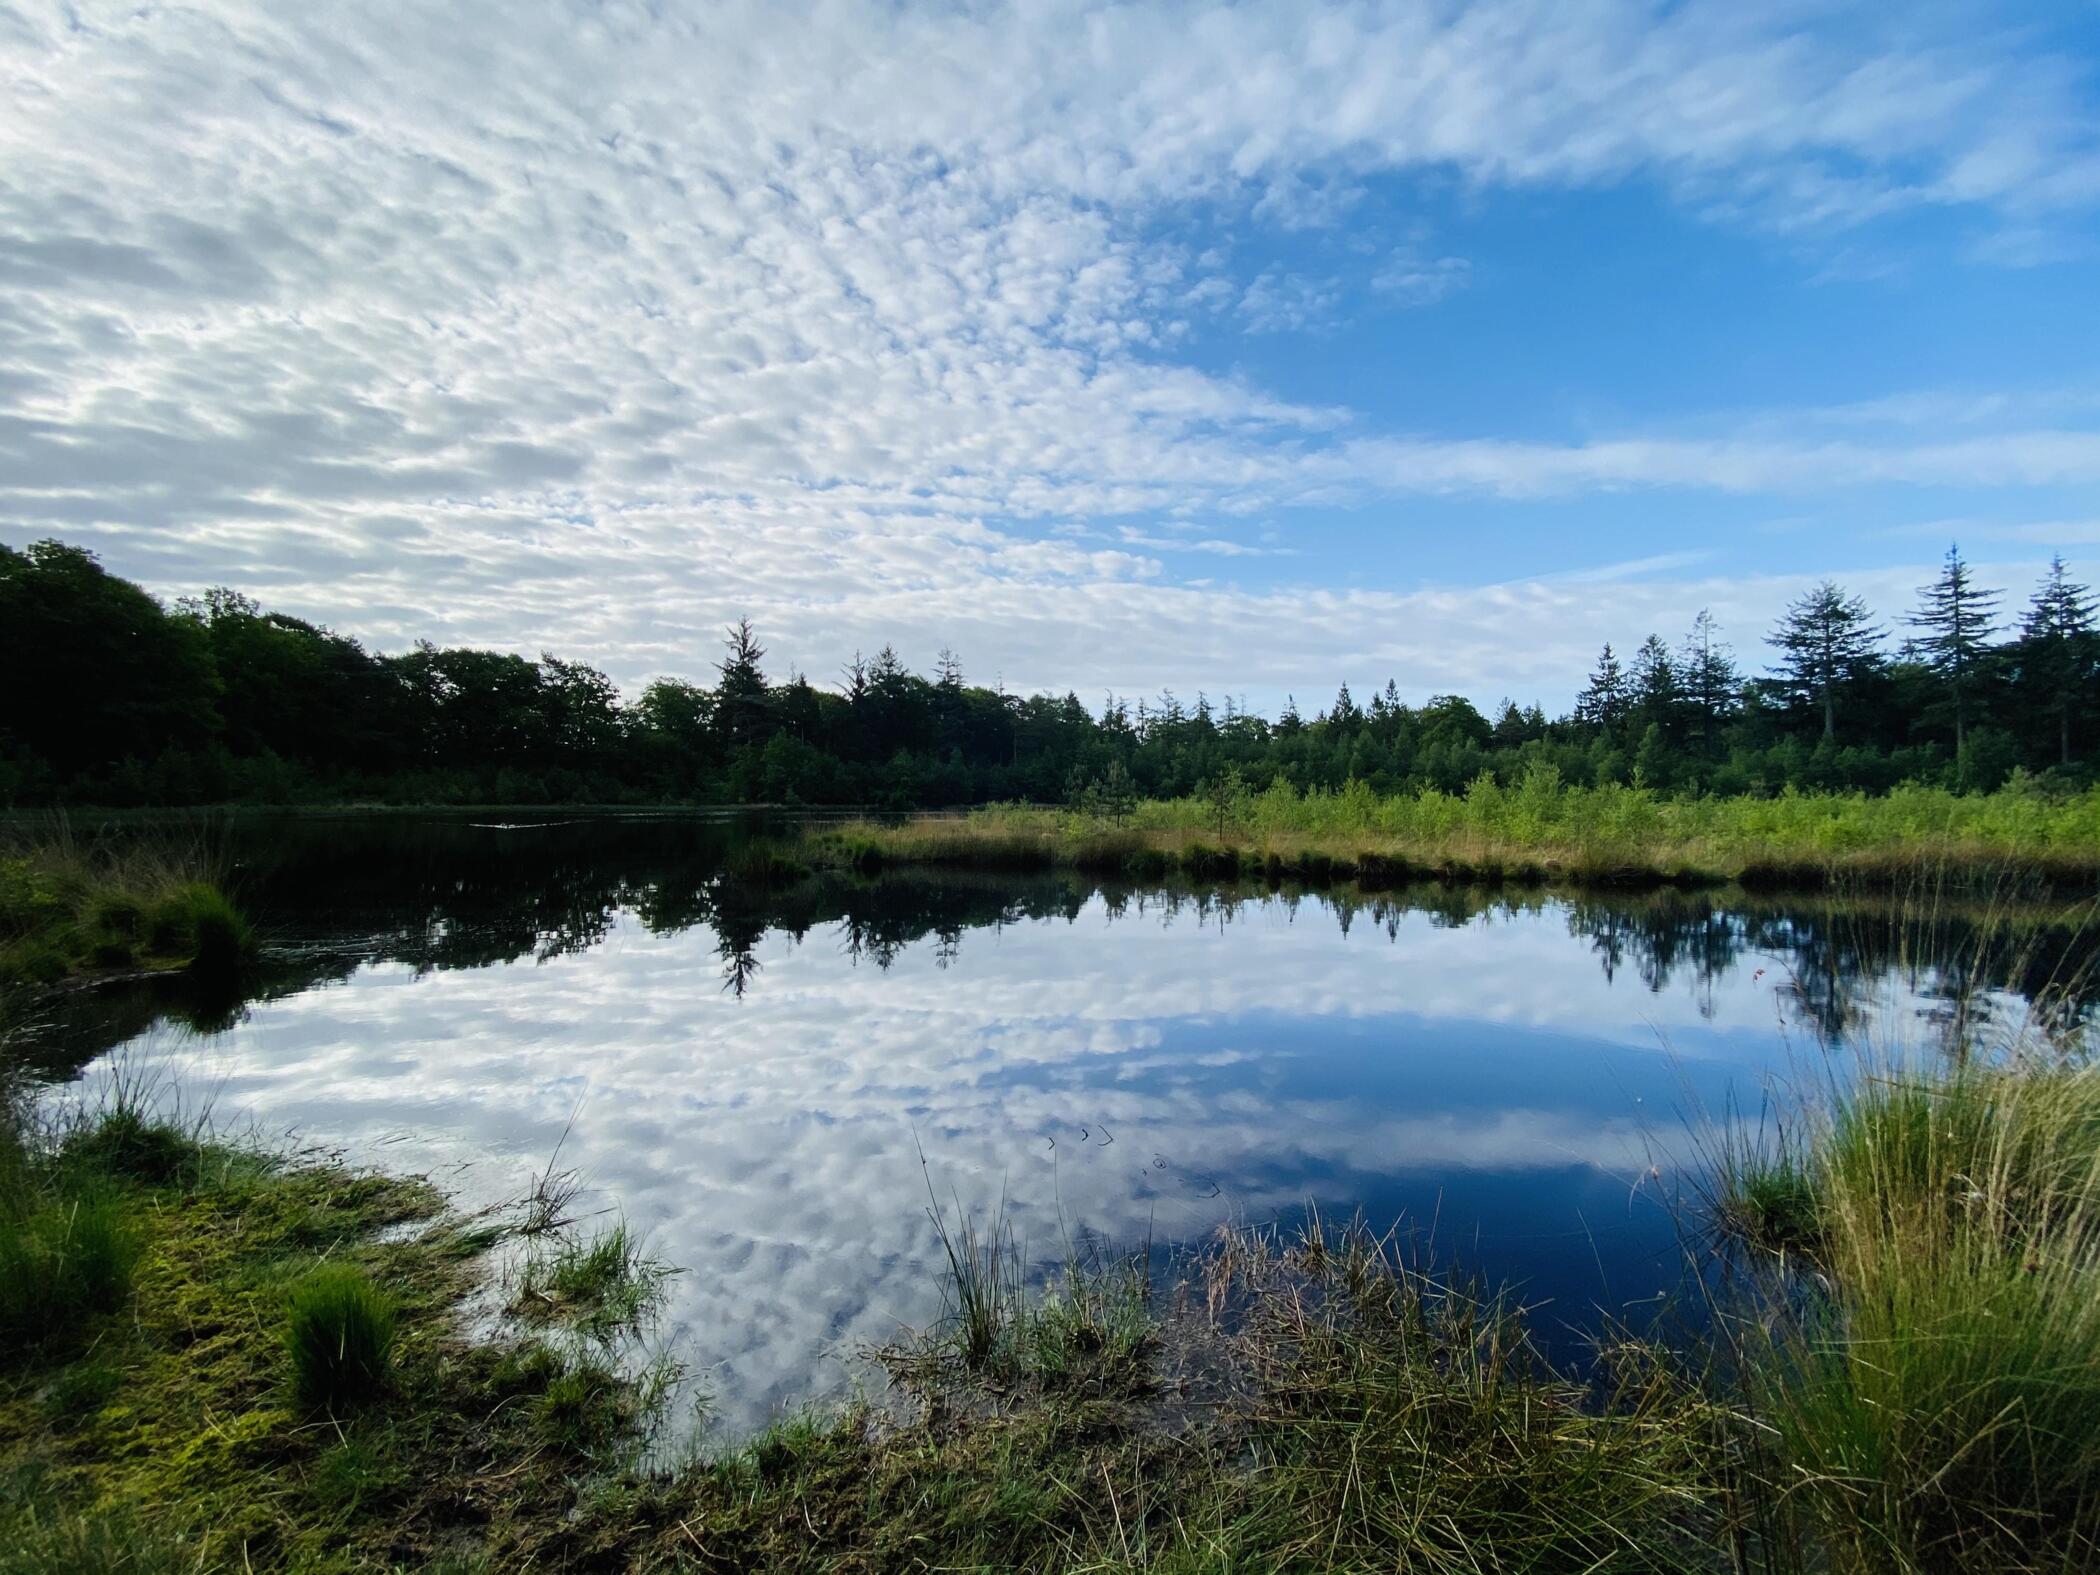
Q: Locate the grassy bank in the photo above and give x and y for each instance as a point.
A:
(1538, 829)
(214, 1359)
(224, 1362)
(66, 911)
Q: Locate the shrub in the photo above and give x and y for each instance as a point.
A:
(340, 1336)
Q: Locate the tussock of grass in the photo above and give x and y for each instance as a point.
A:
(1933, 1387)
(63, 1258)
(339, 1335)
(67, 910)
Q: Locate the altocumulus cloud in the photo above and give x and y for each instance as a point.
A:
(592, 326)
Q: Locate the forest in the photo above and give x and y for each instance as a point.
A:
(115, 699)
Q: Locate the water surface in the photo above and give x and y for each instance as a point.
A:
(751, 1076)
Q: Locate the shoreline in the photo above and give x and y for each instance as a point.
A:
(160, 1410)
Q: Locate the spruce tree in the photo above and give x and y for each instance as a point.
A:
(1603, 703)
(2060, 656)
(1707, 674)
(1956, 616)
(1657, 698)
(1826, 642)
(740, 698)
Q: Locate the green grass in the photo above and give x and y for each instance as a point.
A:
(1932, 1383)
(601, 1285)
(1535, 829)
(64, 1256)
(66, 910)
(339, 1336)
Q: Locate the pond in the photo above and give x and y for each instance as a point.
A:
(1517, 1080)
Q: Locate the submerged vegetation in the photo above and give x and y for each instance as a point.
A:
(1538, 829)
(67, 910)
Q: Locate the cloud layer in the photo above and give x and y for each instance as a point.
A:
(591, 327)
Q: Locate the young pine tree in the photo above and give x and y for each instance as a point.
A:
(1826, 643)
(2060, 653)
(1956, 616)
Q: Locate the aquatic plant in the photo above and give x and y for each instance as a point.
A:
(601, 1285)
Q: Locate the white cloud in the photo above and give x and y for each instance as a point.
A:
(590, 329)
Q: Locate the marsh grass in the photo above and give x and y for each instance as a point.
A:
(602, 1285)
(163, 1430)
(144, 903)
(1533, 829)
(1918, 1343)
(116, 1541)
(1932, 1382)
(339, 1335)
(1404, 1419)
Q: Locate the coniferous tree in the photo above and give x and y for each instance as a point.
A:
(1956, 616)
(1827, 642)
(2060, 655)
(1603, 704)
(1707, 674)
(1656, 697)
(740, 698)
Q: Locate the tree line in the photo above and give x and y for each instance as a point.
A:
(116, 699)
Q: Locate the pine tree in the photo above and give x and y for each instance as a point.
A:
(2061, 655)
(1707, 673)
(1604, 703)
(1826, 643)
(1956, 617)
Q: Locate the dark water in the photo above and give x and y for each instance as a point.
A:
(750, 1075)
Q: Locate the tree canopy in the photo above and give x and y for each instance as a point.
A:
(115, 699)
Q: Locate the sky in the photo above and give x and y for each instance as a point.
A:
(1244, 349)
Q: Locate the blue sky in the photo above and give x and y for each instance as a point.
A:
(1247, 348)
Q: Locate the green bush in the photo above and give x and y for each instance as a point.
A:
(339, 1332)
